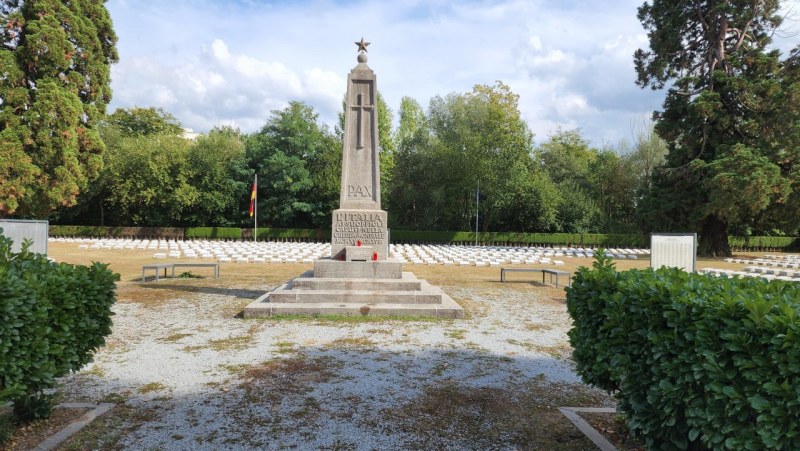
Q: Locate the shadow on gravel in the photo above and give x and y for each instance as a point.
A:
(234, 292)
(350, 393)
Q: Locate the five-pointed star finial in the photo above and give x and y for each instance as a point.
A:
(362, 46)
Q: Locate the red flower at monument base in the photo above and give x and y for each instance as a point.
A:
(358, 243)
(374, 256)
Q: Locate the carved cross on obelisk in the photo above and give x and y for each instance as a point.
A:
(361, 111)
(359, 218)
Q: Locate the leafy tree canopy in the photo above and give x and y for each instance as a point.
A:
(290, 144)
(144, 121)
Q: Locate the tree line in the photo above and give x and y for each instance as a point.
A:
(466, 150)
(722, 157)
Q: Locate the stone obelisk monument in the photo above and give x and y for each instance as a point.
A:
(358, 278)
(359, 221)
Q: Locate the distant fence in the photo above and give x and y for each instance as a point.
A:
(594, 240)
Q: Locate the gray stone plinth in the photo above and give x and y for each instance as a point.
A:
(306, 295)
(335, 269)
(446, 308)
(313, 283)
(358, 253)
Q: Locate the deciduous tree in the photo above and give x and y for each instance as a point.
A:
(290, 144)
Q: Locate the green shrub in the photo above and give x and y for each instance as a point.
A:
(33, 407)
(52, 319)
(6, 428)
(696, 361)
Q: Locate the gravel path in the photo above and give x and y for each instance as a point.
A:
(207, 380)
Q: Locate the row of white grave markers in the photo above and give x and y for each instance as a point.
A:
(756, 271)
(769, 267)
(292, 252)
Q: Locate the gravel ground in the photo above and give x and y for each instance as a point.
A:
(209, 380)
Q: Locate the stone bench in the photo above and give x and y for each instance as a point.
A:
(550, 272)
(159, 266)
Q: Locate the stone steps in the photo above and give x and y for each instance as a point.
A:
(315, 283)
(447, 309)
(361, 297)
(401, 294)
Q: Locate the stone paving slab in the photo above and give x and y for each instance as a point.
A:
(75, 426)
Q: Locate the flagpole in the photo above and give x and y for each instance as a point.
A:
(255, 210)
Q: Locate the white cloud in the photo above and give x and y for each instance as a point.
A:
(210, 62)
(218, 86)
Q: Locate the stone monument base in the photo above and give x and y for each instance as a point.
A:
(368, 226)
(356, 288)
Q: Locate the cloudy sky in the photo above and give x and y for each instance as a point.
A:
(232, 62)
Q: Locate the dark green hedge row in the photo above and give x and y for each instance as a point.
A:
(116, 232)
(759, 243)
(563, 239)
(696, 361)
(213, 233)
(270, 233)
(53, 317)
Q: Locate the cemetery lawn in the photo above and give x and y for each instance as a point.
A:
(186, 371)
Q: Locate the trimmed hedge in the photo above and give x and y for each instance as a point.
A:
(213, 232)
(696, 361)
(176, 233)
(53, 317)
(764, 243)
(563, 239)
(265, 233)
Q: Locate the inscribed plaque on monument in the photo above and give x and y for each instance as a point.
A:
(673, 250)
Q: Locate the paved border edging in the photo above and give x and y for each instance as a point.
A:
(77, 425)
(591, 433)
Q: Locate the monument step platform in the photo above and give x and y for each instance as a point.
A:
(447, 309)
(314, 283)
(426, 295)
(336, 269)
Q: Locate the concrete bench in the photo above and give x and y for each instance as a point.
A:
(550, 272)
(557, 273)
(503, 271)
(158, 267)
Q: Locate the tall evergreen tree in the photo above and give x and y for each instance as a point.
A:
(55, 59)
(729, 118)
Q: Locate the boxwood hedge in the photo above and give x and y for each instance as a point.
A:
(695, 361)
(53, 317)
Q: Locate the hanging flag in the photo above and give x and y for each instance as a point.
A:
(253, 200)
